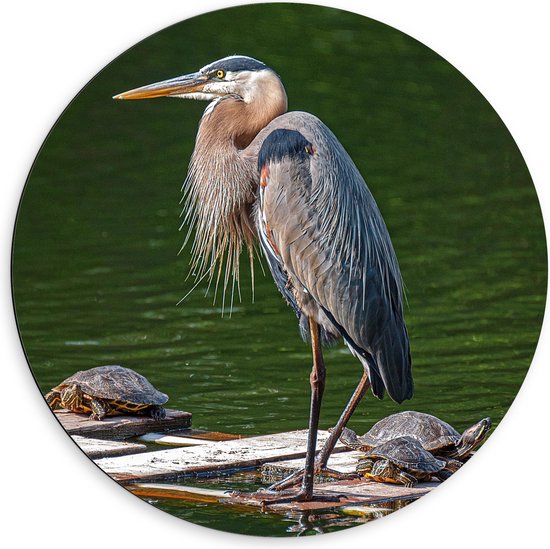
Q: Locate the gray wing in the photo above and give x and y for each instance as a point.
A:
(329, 247)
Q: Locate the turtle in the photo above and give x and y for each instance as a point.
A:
(401, 460)
(107, 391)
(435, 435)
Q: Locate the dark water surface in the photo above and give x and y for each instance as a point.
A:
(97, 274)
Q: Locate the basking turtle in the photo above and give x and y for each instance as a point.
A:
(435, 435)
(108, 391)
(401, 460)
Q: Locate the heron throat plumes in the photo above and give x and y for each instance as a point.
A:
(220, 190)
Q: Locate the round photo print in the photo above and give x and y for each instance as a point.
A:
(280, 282)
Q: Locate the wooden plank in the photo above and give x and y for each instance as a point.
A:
(210, 458)
(96, 448)
(348, 496)
(215, 435)
(206, 435)
(371, 510)
(174, 491)
(171, 440)
(120, 427)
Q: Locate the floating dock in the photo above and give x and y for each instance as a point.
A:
(162, 452)
(210, 458)
(120, 427)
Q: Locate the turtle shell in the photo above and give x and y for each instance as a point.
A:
(433, 433)
(114, 382)
(408, 454)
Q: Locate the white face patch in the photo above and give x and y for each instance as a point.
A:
(249, 83)
(224, 87)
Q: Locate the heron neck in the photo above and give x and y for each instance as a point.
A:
(233, 122)
(220, 188)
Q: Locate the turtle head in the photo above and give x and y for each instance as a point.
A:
(473, 437)
(71, 397)
(349, 438)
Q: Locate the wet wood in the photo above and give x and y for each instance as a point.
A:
(372, 510)
(174, 491)
(98, 448)
(207, 435)
(348, 492)
(120, 427)
(214, 435)
(348, 495)
(210, 458)
(188, 437)
(171, 440)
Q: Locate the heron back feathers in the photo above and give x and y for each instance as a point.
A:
(324, 235)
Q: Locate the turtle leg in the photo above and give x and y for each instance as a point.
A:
(53, 399)
(405, 478)
(444, 474)
(330, 443)
(452, 465)
(99, 409)
(157, 412)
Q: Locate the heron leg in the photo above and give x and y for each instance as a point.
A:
(336, 431)
(317, 382)
(322, 458)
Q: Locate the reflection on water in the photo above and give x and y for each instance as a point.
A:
(253, 521)
(97, 274)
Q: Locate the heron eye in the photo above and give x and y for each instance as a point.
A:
(220, 74)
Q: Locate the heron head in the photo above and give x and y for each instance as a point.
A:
(238, 76)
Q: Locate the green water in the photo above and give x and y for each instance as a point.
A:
(97, 275)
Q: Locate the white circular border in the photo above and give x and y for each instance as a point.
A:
(50, 50)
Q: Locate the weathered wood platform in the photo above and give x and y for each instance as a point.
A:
(96, 448)
(332, 494)
(193, 452)
(209, 458)
(120, 427)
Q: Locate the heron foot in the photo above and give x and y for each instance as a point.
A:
(267, 498)
(296, 477)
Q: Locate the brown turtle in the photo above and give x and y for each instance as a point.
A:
(435, 435)
(401, 460)
(108, 391)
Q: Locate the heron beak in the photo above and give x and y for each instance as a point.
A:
(181, 85)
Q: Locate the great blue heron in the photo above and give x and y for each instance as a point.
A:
(260, 172)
